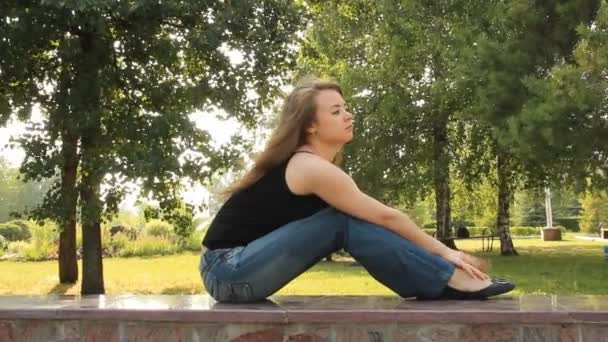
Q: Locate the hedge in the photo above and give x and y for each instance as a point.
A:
(16, 230)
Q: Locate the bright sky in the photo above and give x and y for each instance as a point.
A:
(13, 156)
(220, 130)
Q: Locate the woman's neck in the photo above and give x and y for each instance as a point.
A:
(327, 152)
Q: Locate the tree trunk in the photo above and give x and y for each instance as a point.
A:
(68, 265)
(92, 265)
(441, 179)
(88, 92)
(505, 181)
(91, 209)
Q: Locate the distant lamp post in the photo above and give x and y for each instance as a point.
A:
(550, 233)
(548, 211)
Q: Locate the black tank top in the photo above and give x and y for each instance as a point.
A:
(258, 210)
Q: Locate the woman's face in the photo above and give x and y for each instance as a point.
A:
(334, 123)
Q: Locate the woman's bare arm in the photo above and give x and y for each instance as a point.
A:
(310, 174)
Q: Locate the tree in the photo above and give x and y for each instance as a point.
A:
(181, 217)
(595, 211)
(18, 197)
(421, 71)
(116, 82)
(529, 207)
(569, 109)
(399, 62)
(474, 203)
(8, 189)
(521, 44)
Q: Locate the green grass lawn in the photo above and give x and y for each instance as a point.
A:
(563, 267)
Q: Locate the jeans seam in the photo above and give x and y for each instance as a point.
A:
(425, 262)
(442, 274)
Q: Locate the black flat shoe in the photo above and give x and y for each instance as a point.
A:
(498, 287)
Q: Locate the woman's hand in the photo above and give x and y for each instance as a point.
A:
(473, 266)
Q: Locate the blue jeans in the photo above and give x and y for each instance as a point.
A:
(254, 272)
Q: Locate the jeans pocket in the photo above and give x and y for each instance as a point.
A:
(232, 258)
(228, 292)
(211, 257)
(209, 282)
(241, 292)
(234, 292)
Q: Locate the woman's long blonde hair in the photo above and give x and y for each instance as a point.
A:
(297, 114)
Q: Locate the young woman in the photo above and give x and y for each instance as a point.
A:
(295, 207)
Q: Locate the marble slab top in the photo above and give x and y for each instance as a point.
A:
(300, 309)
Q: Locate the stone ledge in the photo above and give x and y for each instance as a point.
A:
(301, 318)
(128, 331)
(527, 309)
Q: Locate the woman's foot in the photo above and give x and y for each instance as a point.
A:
(497, 287)
(462, 287)
(462, 281)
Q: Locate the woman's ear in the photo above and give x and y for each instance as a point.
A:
(312, 129)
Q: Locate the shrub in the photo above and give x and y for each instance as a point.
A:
(461, 223)
(42, 245)
(570, 223)
(182, 219)
(16, 230)
(595, 211)
(193, 242)
(562, 228)
(479, 231)
(159, 228)
(429, 231)
(515, 231)
(39, 250)
(106, 237)
(48, 231)
(117, 244)
(130, 232)
(15, 247)
(3, 243)
(128, 219)
(524, 231)
(147, 246)
(32, 251)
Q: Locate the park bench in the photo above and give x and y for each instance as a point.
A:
(486, 237)
(301, 318)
